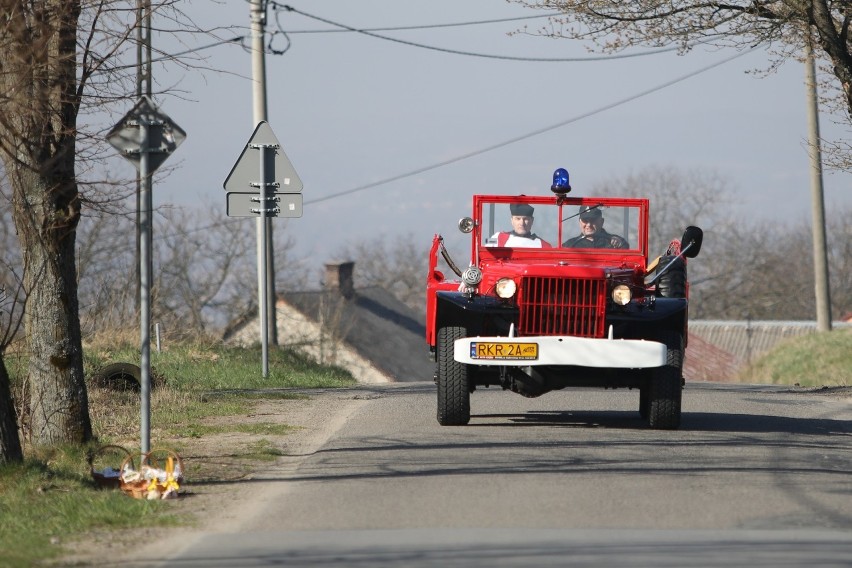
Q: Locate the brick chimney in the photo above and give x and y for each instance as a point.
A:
(338, 276)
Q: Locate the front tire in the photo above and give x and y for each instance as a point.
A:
(665, 388)
(453, 386)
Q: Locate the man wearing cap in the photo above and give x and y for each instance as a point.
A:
(592, 234)
(521, 235)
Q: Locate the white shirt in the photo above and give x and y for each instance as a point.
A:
(503, 239)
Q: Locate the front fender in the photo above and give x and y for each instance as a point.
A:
(479, 315)
(643, 322)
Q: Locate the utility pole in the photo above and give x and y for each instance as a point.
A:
(821, 282)
(265, 247)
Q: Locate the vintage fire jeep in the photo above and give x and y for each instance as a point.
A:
(554, 305)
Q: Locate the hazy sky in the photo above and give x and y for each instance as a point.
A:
(351, 110)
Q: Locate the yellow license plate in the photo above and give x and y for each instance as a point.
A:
(503, 350)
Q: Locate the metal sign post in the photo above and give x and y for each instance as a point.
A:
(273, 170)
(145, 137)
(264, 235)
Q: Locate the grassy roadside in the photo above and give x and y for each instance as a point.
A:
(51, 498)
(209, 391)
(815, 360)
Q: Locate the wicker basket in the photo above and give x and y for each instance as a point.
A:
(106, 464)
(159, 476)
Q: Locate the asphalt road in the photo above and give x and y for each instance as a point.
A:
(756, 476)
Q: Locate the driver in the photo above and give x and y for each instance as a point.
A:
(521, 234)
(592, 233)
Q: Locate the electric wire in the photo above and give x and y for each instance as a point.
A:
(508, 142)
(482, 55)
(492, 147)
(534, 132)
(277, 6)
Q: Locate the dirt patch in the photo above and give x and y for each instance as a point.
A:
(229, 476)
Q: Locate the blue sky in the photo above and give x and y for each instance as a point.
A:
(351, 110)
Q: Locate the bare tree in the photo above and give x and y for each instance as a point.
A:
(10, 443)
(761, 270)
(679, 198)
(399, 265)
(38, 76)
(614, 25)
(58, 58)
(201, 268)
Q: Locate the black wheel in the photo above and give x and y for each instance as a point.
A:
(665, 388)
(644, 397)
(672, 284)
(119, 376)
(453, 388)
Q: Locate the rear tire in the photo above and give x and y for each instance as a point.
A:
(665, 389)
(453, 386)
(644, 397)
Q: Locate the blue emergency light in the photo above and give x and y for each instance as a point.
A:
(560, 182)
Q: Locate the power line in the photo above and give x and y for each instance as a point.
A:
(277, 6)
(473, 54)
(533, 133)
(515, 139)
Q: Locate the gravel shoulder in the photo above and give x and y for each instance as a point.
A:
(231, 490)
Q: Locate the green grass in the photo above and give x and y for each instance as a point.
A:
(51, 498)
(215, 367)
(815, 360)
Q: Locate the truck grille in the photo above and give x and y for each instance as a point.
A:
(562, 306)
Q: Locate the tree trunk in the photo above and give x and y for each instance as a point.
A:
(10, 443)
(38, 114)
(46, 216)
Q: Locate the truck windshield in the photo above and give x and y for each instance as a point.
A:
(522, 225)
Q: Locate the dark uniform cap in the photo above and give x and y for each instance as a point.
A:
(590, 212)
(518, 209)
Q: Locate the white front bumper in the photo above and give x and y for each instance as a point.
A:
(568, 350)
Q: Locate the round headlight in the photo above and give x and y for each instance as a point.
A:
(472, 276)
(505, 288)
(466, 224)
(621, 295)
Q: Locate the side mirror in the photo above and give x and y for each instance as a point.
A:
(690, 244)
(466, 224)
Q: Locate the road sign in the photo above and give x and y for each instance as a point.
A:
(278, 205)
(164, 136)
(279, 171)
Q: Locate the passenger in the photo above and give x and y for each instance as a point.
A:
(592, 234)
(521, 234)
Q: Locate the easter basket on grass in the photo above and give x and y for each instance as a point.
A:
(159, 476)
(106, 463)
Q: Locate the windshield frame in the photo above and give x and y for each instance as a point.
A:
(491, 215)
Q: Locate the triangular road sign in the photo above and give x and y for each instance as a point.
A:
(246, 171)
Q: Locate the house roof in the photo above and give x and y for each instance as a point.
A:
(703, 361)
(374, 323)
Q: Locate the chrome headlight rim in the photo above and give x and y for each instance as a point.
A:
(505, 288)
(622, 294)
